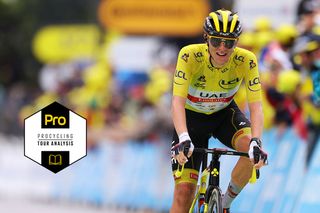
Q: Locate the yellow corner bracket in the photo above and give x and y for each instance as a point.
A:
(179, 172)
(253, 178)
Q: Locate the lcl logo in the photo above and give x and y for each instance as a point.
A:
(252, 83)
(180, 74)
(229, 84)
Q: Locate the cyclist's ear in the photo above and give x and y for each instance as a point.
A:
(237, 41)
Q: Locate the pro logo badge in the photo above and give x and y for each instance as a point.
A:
(55, 137)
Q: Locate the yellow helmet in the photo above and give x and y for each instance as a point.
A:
(288, 81)
(286, 34)
(262, 24)
(223, 23)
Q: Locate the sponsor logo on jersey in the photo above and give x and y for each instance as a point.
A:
(238, 58)
(198, 56)
(194, 176)
(200, 84)
(212, 95)
(225, 84)
(185, 57)
(202, 78)
(206, 97)
(224, 70)
(253, 84)
(252, 64)
(180, 74)
(210, 67)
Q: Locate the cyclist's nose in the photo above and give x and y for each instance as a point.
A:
(222, 45)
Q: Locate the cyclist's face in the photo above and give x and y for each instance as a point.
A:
(221, 48)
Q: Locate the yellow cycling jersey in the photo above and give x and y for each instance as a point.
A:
(209, 89)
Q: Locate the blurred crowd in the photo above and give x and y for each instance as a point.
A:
(289, 66)
(125, 105)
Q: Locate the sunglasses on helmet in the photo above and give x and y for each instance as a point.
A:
(228, 42)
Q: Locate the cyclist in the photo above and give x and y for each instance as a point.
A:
(207, 77)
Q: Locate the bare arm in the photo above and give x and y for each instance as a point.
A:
(256, 118)
(179, 114)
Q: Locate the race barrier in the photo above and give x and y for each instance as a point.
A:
(136, 175)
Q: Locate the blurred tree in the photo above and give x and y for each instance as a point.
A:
(20, 19)
(9, 56)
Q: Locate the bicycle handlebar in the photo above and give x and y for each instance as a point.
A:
(219, 151)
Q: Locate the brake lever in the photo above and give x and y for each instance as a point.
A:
(256, 157)
(264, 157)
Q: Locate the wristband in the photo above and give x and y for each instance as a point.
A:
(257, 141)
(184, 137)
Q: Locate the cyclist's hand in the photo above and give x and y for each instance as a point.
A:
(257, 156)
(182, 151)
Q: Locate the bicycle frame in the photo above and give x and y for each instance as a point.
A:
(202, 188)
(212, 171)
(214, 166)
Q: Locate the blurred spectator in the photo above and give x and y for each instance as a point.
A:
(284, 96)
(262, 24)
(276, 55)
(307, 56)
(307, 50)
(314, 124)
(17, 96)
(315, 72)
(308, 16)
